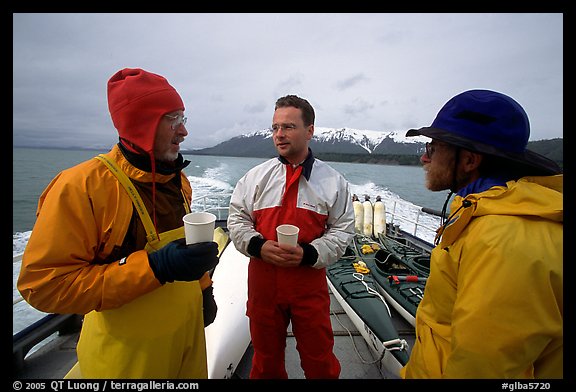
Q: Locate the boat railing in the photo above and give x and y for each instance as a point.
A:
(214, 203)
(218, 205)
(416, 221)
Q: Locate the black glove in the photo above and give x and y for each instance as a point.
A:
(209, 305)
(178, 261)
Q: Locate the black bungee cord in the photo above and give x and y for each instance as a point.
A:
(465, 203)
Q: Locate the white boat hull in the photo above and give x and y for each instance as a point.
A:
(228, 337)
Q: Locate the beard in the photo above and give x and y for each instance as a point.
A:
(438, 178)
(445, 178)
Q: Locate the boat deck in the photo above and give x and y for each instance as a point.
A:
(54, 359)
(356, 358)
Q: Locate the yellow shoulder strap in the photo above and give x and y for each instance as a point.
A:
(133, 193)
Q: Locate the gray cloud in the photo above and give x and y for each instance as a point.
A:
(351, 81)
(382, 72)
(256, 108)
(357, 107)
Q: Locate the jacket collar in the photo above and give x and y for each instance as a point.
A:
(306, 164)
(142, 162)
(483, 184)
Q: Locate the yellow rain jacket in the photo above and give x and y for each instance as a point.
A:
(493, 304)
(134, 327)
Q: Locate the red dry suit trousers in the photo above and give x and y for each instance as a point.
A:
(278, 296)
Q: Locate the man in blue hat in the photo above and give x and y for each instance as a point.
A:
(493, 304)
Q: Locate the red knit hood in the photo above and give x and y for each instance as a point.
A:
(137, 100)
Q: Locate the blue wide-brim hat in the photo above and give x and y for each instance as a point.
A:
(490, 123)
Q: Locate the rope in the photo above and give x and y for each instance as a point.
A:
(354, 343)
(370, 290)
(386, 259)
(351, 257)
(367, 239)
(416, 294)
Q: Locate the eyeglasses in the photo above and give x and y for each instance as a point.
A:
(430, 149)
(286, 127)
(178, 120)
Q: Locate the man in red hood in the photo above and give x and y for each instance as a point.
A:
(108, 244)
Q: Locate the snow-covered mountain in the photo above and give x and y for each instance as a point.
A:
(325, 140)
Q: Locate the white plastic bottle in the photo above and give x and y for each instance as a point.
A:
(358, 214)
(379, 217)
(368, 217)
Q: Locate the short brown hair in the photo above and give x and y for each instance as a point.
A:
(308, 115)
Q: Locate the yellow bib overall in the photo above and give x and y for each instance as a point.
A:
(158, 335)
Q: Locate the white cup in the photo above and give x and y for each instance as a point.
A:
(199, 227)
(288, 234)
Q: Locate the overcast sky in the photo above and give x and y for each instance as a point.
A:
(381, 72)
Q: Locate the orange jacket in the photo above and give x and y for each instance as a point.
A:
(82, 216)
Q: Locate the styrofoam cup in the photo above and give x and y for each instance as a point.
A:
(288, 234)
(199, 227)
